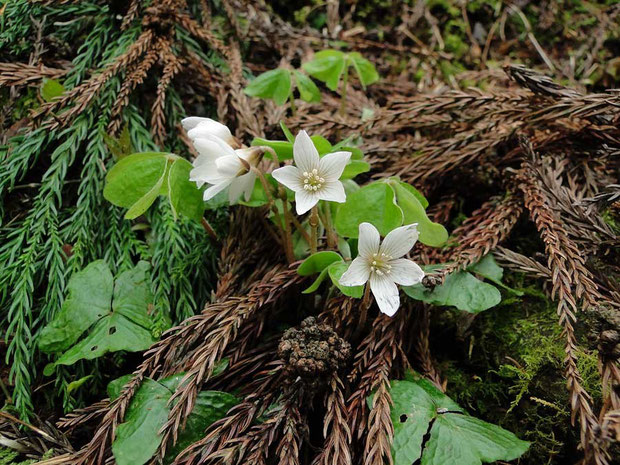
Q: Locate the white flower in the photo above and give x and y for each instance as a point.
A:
(221, 166)
(313, 178)
(382, 265)
(202, 127)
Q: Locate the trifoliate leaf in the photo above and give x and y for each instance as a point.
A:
(353, 168)
(308, 91)
(317, 282)
(149, 411)
(366, 71)
(327, 66)
(210, 406)
(431, 233)
(489, 269)
(274, 84)
(455, 437)
(138, 179)
(185, 197)
(317, 262)
(461, 290)
(373, 203)
(284, 148)
(114, 315)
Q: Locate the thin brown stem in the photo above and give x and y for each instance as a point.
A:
(314, 226)
(209, 229)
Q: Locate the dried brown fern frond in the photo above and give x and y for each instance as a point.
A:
(480, 234)
(336, 431)
(563, 260)
(371, 370)
(20, 74)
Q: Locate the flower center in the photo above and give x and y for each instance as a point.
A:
(312, 180)
(379, 264)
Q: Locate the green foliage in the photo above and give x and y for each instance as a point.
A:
(119, 146)
(16, 25)
(461, 290)
(274, 84)
(278, 84)
(50, 89)
(420, 409)
(327, 263)
(148, 412)
(329, 66)
(137, 180)
(113, 313)
(388, 205)
(67, 223)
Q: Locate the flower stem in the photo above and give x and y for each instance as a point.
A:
(208, 228)
(364, 306)
(343, 94)
(314, 226)
(285, 229)
(292, 101)
(288, 235)
(326, 219)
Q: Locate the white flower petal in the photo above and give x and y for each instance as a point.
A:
(192, 121)
(357, 274)
(332, 165)
(305, 200)
(332, 191)
(386, 294)
(368, 241)
(229, 166)
(289, 176)
(405, 272)
(399, 241)
(241, 185)
(305, 153)
(205, 173)
(216, 189)
(212, 128)
(210, 149)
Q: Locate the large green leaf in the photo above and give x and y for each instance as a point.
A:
(138, 179)
(327, 66)
(210, 406)
(461, 290)
(432, 234)
(89, 299)
(138, 438)
(133, 177)
(373, 203)
(455, 437)
(185, 197)
(274, 84)
(114, 315)
(308, 91)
